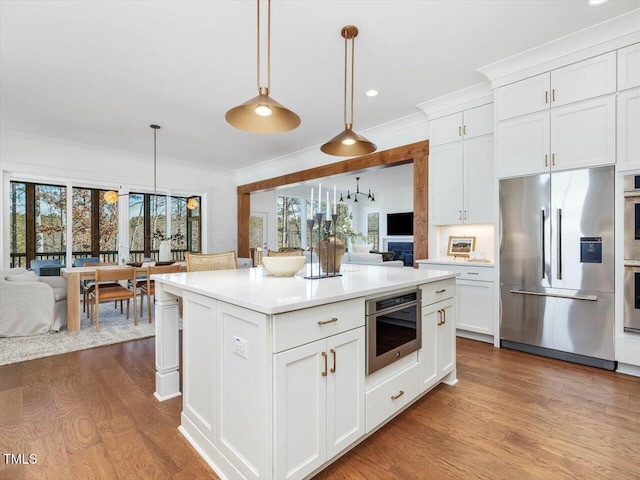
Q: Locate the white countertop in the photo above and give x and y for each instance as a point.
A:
(255, 289)
(460, 263)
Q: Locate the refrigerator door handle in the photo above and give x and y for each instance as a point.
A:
(559, 240)
(542, 230)
(588, 298)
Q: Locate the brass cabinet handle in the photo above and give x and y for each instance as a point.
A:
(333, 370)
(440, 316)
(459, 131)
(546, 96)
(464, 129)
(459, 214)
(465, 214)
(473, 273)
(324, 354)
(546, 159)
(553, 95)
(553, 159)
(444, 316)
(324, 322)
(395, 397)
(441, 291)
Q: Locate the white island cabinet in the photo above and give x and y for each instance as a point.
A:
(274, 369)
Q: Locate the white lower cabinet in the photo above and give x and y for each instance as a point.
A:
(437, 356)
(319, 402)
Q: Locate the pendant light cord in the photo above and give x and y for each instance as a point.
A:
(353, 61)
(345, 81)
(155, 131)
(268, 46)
(350, 116)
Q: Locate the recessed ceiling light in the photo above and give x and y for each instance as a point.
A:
(371, 93)
(595, 3)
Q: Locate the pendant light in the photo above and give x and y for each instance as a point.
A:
(262, 114)
(112, 196)
(348, 143)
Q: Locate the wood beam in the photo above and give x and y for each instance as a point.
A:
(416, 153)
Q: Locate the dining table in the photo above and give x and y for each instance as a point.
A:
(76, 275)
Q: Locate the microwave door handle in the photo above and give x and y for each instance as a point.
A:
(559, 244)
(542, 242)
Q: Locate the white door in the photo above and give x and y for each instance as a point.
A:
(446, 129)
(300, 410)
(584, 134)
(345, 390)
(629, 129)
(582, 80)
(478, 180)
(526, 96)
(446, 338)
(523, 145)
(446, 181)
(478, 121)
(428, 353)
(475, 303)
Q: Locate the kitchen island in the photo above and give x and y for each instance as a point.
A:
(274, 371)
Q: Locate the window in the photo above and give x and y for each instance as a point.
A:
(289, 222)
(95, 225)
(373, 229)
(185, 227)
(18, 225)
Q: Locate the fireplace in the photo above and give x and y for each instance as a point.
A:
(403, 251)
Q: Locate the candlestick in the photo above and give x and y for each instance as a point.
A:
(319, 194)
(334, 199)
(311, 202)
(328, 203)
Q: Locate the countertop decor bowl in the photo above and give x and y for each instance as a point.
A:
(283, 266)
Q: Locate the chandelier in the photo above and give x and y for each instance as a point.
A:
(355, 194)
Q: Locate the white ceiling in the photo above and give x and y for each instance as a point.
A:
(99, 72)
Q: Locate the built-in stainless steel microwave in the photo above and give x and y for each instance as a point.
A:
(632, 217)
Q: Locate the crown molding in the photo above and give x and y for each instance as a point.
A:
(603, 37)
(473, 96)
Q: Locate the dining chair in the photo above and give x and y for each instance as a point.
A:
(202, 262)
(88, 286)
(149, 288)
(101, 293)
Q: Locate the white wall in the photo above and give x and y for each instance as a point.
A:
(28, 157)
(266, 202)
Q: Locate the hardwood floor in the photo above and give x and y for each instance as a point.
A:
(91, 414)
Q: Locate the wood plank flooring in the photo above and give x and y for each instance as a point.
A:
(92, 414)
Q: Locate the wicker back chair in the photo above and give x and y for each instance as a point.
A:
(203, 262)
(289, 252)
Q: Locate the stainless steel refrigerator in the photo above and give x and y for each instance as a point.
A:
(557, 265)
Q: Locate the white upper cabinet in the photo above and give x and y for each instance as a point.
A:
(459, 126)
(523, 145)
(584, 134)
(589, 78)
(527, 96)
(629, 67)
(462, 182)
(629, 129)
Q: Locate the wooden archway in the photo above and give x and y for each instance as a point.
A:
(416, 153)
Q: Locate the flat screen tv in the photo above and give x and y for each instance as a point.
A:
(400, 223)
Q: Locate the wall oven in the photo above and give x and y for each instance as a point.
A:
(393, 326)
(632, 254)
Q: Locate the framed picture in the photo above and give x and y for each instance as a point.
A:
(461, 246)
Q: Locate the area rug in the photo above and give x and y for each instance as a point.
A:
(114, 328)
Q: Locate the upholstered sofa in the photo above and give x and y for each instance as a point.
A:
(31, 305)
(359, 258)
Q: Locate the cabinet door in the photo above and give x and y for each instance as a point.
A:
(428, 353)
(582, 80)
(523, 145)
(629, 67)
(478, 121)
(446, 180)
(584, 134)
(446, 129)
(446, 339)
(629, 129)
(526, 96)
(345, 390)
(300, 410)
(475, 306)
(478, 180)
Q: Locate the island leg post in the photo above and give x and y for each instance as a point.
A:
(167, 345)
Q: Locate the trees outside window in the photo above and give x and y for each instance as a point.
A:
(289, 222)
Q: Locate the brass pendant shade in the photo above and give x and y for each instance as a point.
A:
(348, 143)
(263, 114)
